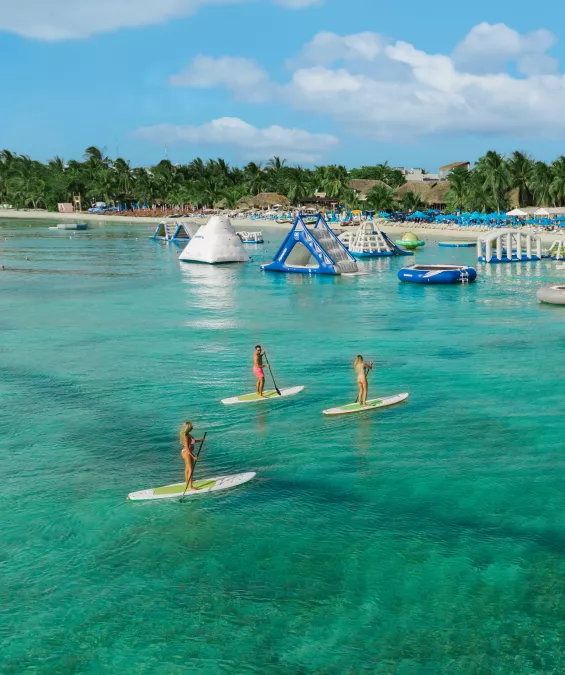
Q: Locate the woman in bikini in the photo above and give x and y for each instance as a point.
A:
(187, 453)
(362, 368)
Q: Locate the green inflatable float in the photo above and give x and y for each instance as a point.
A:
(409, 240)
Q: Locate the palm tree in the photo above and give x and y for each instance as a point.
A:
(542, 178)
(334, 180)
(459, 180)
(496, 179)
(297, 185)
(412, 201)
(254, 178)
(381, 198)
(520, 168)
(557, 187)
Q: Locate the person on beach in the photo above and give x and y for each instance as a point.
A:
(258, 370)
(187, 453)
(362, 368)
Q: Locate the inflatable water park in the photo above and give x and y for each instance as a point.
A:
(251, 237)
(214, 243)
(175, 231)
(504, 246)
(557, 250)
(369, 241)
(438, 274)
(312, 248)
(410, 240)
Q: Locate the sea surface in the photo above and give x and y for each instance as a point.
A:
(427, 538)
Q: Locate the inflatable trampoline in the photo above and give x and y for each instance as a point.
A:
(552, 295)
(437, 274)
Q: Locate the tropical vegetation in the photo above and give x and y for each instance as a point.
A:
(491, 185)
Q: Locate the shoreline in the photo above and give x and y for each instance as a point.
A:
(395, 229)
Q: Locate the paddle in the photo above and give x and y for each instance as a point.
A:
(272, 374)
(194, 465)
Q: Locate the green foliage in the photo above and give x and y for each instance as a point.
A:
(392, 177)
(26, 183)
(381, 198)
(412, 201)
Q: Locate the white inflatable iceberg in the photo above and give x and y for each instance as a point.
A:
(215, 242)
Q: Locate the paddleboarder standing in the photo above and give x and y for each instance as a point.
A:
(258, 370)
(362, 368)
(188, 443)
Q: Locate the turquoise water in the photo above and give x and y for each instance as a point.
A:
(427, 538)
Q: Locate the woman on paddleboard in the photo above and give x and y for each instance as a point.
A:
(188, 456)
(362, 368)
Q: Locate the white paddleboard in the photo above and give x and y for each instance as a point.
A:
(177, 489)
(371, 405)
(253, 398)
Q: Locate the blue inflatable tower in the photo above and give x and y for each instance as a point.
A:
(306, 242)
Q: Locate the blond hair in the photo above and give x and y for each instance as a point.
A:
(358, 361)
(185, 431)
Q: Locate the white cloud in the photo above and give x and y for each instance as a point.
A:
(251, 142)
(244, 77)
(488, 47)
(326, 48)
(56, 20)
(391, 91)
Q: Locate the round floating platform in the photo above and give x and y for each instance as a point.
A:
(457, 244)
(437, 274)
(552, 295)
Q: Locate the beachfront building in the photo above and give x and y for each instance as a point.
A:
(444, 171)
(418, 175)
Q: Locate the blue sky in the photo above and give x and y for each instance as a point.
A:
(357, 82)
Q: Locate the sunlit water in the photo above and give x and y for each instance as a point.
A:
(427, 538)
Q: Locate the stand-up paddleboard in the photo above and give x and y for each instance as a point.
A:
(371, 405)
(178, 489)
(254, 398)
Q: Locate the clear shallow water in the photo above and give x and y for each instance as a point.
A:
(426, 538)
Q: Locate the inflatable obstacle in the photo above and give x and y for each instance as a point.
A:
(552, 295)
(410, 240)
(181, 232)
(312, 248)
(557, 250)
(508, 246)
(368, 241)
(216, 242)
(437, 274)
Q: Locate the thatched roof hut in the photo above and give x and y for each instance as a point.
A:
(264, 200)
(433, 193)
(361, 186)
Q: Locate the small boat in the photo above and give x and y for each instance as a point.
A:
(437, 274)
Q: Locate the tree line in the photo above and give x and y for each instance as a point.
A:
(26, 183)
(489, 186)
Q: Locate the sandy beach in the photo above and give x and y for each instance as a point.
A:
(394, 229)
